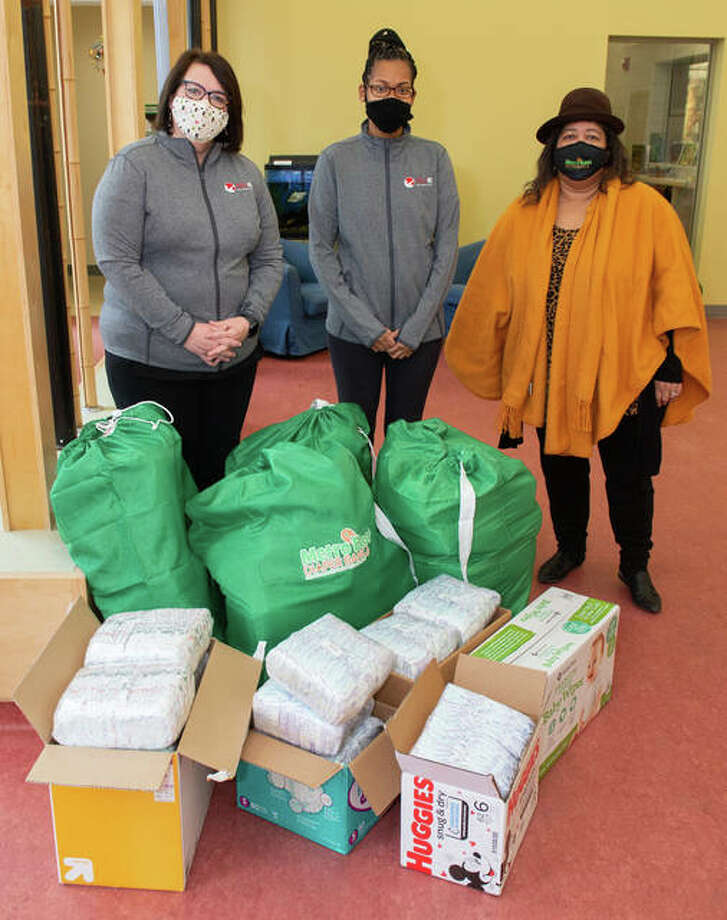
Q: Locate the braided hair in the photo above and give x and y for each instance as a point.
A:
(385, 45)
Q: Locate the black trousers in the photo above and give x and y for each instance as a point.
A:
(208, 409)
(630, 457)
(358, 371)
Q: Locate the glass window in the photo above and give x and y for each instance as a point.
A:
(659, 88)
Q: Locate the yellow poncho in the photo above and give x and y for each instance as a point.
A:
(628, 280)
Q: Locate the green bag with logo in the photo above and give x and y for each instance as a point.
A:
(462, 507)
(319, 426)
(118, 500)
(293, 536)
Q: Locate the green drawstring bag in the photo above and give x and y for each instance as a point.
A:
(119, 499)
(319, 426)
(462, 507)
(293, 536)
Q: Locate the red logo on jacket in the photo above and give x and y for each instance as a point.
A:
(233, 187)
(418, 181)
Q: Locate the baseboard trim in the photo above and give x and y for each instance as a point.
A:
(716, 310)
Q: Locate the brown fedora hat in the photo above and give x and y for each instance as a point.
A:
(584, 104)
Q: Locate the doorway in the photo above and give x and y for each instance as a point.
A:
(660, 88)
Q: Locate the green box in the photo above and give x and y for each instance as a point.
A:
(337, 814)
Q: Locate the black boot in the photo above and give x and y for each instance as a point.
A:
(557, 567)
(642, 589)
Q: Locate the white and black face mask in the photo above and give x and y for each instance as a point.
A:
(198, 119)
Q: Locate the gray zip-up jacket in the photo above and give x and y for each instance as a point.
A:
(384, 217)
(180, 243)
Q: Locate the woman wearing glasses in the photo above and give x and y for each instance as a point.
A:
(186, 236)
(384, 216)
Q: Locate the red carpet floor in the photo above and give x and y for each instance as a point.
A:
(630, 824)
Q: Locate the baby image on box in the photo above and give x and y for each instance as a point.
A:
(302, 797)
(597, 682)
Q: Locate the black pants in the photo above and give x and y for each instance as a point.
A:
(630, 457)
(208, 409)
(358, 372)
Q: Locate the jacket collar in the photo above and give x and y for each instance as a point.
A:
(380, 142)
(181, 148)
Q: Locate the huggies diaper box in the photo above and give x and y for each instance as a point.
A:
(333, 804)
(132, 818)
(572, 639)
(455, 824)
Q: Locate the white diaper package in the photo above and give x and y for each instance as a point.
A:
(174, 637)
(143, 708)
(359, 739)
(276, 712)
(444, 599)
(472, 732)
(331, 667)
(413, 641)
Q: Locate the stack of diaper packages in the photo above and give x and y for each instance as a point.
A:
(468, 752)
(318, 701)
(431, 623)
(137, 685)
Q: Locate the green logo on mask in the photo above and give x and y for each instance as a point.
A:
(579, 163)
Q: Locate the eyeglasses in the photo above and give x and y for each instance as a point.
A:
(402, 90)
(196, 91)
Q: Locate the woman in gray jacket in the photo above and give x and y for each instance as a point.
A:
(186, 236)
(384, 217)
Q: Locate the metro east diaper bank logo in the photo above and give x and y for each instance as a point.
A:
(418, 181)
(353, 550)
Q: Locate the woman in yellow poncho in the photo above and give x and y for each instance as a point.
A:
(583, 316)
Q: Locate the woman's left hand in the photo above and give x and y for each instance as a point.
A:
(232, 333)
(400, 350)
(666, 392)
(236, 327)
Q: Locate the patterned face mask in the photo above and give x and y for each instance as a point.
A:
(198, 119)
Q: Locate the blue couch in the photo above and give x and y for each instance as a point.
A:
(465, 263)
(296, 323)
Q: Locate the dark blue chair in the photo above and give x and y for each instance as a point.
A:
(296, 323)
(465, 263)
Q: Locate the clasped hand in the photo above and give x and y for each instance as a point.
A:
(387, 342)
(215, 342)
(666, 391)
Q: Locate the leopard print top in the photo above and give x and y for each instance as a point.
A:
(562, 242)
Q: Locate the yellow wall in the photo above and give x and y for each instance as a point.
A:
(489, 74)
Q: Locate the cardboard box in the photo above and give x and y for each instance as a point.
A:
(333, 805)
(572, 639)
(132, 819)
(397, 686)
(455, 825)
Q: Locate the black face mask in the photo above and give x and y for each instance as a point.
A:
(389, 114)
(581, 160)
